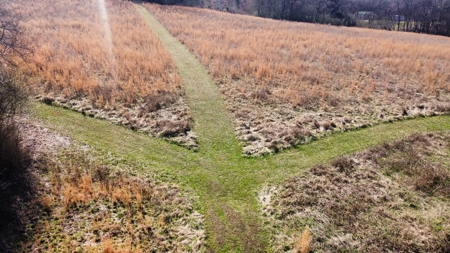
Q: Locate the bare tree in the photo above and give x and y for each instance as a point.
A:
(13, 43)
(15, 178)
(320, 8)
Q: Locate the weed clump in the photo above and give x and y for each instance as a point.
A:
(344, 164)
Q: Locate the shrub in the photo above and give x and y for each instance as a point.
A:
(14, 159)
(12, 156)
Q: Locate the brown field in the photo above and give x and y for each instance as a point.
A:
(391, 198)
(288, 82)
(108, 66)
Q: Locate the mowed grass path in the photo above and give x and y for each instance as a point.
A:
(226, 183)
(213, 123)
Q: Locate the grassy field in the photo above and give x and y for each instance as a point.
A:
(94, 58)
(287, 83)
(88, 202)
(232, 192)
(99, 50)
(227, 183)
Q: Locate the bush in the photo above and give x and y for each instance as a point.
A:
(12, 100)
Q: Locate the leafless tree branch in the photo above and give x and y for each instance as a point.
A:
(13, 42)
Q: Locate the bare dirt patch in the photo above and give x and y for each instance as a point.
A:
(389, 198)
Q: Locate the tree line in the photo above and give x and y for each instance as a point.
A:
(421, 16)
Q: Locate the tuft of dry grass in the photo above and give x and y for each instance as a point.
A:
(303, 243)
(108, 247)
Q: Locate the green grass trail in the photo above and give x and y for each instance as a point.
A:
(213, 123)
(226, 183)
(227, 188)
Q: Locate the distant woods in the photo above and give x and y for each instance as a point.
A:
(421, 16)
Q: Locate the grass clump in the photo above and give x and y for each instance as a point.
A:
(303, 243)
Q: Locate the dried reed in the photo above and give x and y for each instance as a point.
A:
(74, 58)
(294, 59)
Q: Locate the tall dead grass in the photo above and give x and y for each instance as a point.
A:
(309, 64)
(72, 55)
(91, 207)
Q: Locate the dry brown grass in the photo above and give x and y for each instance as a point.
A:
(108, 247)
(74, 56)
(280, 76)
(298, 61)
(111, 67)
(303, 243)
(97, 208)
(393, 197)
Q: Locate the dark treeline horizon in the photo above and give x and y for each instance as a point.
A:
(420, 16)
